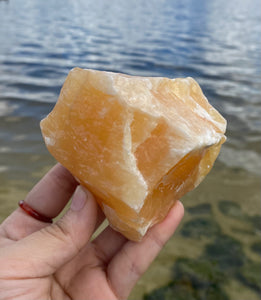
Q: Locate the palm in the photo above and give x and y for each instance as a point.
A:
(76, 280)
(86, 274)
(39, 261)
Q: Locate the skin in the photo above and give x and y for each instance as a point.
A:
(58, 261)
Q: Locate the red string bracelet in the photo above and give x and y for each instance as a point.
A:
(33, 213)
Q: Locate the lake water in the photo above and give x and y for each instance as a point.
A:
(216, 251)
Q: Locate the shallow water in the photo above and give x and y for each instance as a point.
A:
(216, 42)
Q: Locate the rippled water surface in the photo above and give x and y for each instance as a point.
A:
(218, 43)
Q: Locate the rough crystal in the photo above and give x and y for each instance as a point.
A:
(137, 143)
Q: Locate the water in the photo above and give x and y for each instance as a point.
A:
(217, 42)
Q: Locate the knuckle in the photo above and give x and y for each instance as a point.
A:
(133, 267)
(156, 240)
(60, 175)
(59, 231)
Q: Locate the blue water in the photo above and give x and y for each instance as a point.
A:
(217, 42)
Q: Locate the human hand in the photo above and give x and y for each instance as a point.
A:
(42, 261)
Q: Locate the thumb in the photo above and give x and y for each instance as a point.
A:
(43, 252)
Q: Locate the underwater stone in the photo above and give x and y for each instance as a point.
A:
(256, 247)
(204, 208)
(230, 209)
(226, 253)
(200, 227)
(250, 275)
(200, 272)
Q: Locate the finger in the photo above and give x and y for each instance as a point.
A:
(48, 198)
(108, 243)
(134, 258)
(53, 246)
(52, 193)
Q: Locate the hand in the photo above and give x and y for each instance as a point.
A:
(42, 261)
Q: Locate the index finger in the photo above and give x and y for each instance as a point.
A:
(48, 197)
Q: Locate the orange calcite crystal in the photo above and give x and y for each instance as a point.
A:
(137, 143)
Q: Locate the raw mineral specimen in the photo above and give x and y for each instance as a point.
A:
(138, 144)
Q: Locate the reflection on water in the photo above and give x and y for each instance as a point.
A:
(216, 42)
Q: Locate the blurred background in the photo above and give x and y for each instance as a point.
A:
(216, 253)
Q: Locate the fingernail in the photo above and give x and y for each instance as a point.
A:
(79, 199)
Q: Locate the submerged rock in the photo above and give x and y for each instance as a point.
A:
(199, 272)
(204, 208)
(200, 227)
(230, 209)
(256, 247)
(250, 275)
(226, 253)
